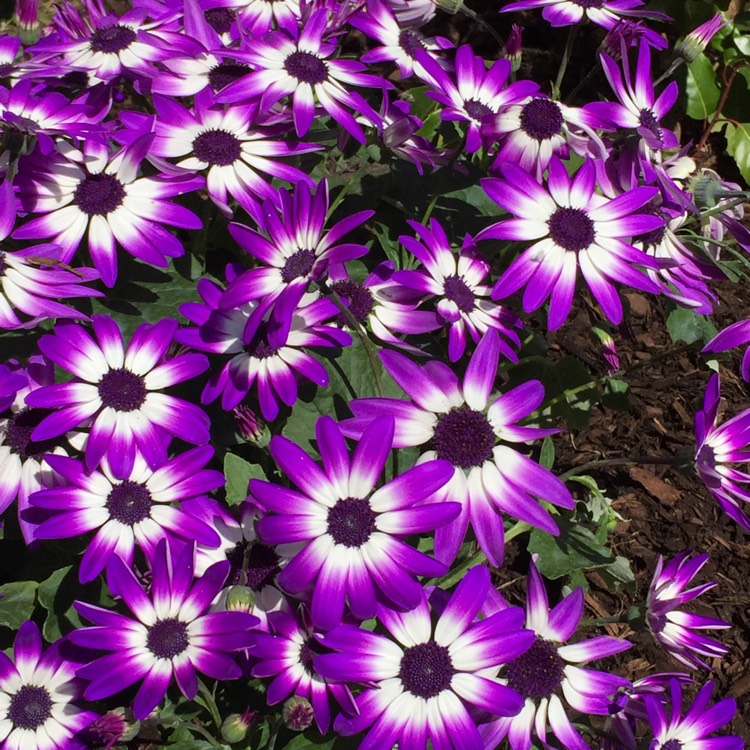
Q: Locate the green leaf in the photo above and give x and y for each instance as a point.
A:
(701, 89)
(547, 454)
(575, 549)
(303, 742)
(17, 603)
(477, 200)
(686, 325)
(238, 473)
(738, 145)
(57, 595)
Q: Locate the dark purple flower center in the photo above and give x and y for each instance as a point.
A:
(307, 653)
(220, 19)
(225, 73)
(114, 38)
(258, 346)
(351, 521)
(99, 194)
(306, 67)
(464, 437)
(410, 43)
(3, 264)
(129, 503)
(5, 69)
(476, 109)
(541, 119)
(18, 431)
(589, 3)
(298, 265)
(426, 669)
(30, 707)
(537, 672)
(217, 147)
(648, 121)
(359, 297)
(122, 390)
(262, 566)
(571, 229)
(457, 291)
(672, 745)
(167, 638)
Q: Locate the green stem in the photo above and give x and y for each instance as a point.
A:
(275, 729)
(430, 209)
(208, 697)
(653, 460)
(356, 326)
(724, 207)
(339, 198)
(668, 72)
(717, 114)
(594, 621)
(572, 33)
(196, 728)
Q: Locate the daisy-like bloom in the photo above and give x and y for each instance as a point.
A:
(301, 67)
(9, 47)
(93, 192)
(533, 131)
(172, 635)
(456, 422)
(33, 280)
(676, 630)
(462, 304)
(673, 730)
(265, 352)
(639, 108)
(228, 144)
(118, 391)
(23, 465)
(135, 511)
(604, 13)
(627, 33)
(737, 334)
(719, 449)
(571, 226)
(294, 246)
(425, 681)
(399, 44)
(382, 305)
(262, 16)
(38, 695)
(106, 45)
(202, 70)
(549, 672)
(287, 654)
(353, 529)
(697, 40)
(412, 13)
(475, 92)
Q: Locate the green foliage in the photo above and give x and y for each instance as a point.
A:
(690, 327)
(17, 603)
(701, 88)
(738, 145)
(238, 473)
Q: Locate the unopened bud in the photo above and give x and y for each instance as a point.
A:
(235, 726)
(513, 47)
(450, 6)
(27, 12)
(240, 599)
(697, 40)
(297, 713)
(114, 727)
(251, 426)
(608, 350)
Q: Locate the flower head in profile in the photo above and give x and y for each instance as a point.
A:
(458, 422)
(697, 40)
(572, 227)
(604, 13)
(118, 390)
(549, 674)
(737, 334)
(679, 632)
(355, 552)
(39, 692)
(720, 451)
(170, 636)
(424, 680)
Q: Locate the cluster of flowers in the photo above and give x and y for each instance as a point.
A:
(111, 125)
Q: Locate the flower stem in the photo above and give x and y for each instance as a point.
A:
(717, 114)
(676, 460)
(572, 33)
(209, 702)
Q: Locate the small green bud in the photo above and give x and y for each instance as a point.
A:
(240, 599)
(235, 726)
(297, 713)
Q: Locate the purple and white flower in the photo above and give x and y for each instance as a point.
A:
(457, 423)
(604, 13)
(39, 692)
(171, 635)
(550, 671)
(572, 226)
(354, 531)
(118, 393)
(136, 510)
(425, 682)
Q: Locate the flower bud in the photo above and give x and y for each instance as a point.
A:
(114, 727)
(235, 726)
(27, 12)
(697, 40)
(450, 6)
(297, 713)
(240, 599)
(608, 350)
(250, 426)
(513, 47)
